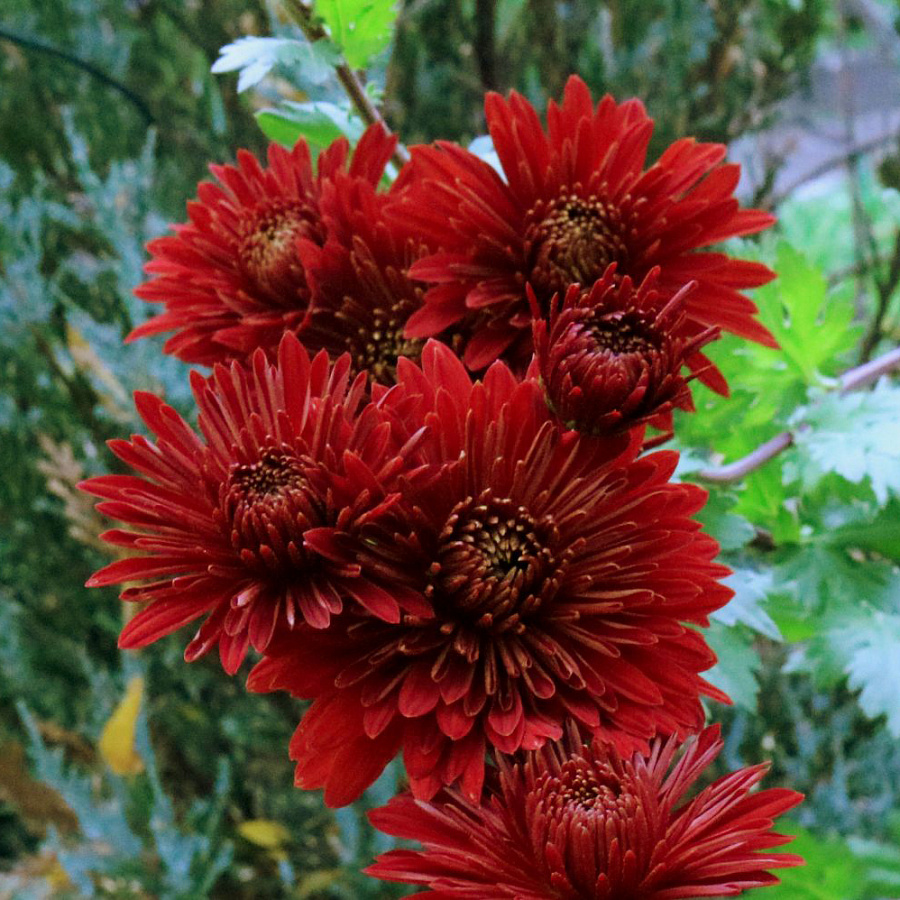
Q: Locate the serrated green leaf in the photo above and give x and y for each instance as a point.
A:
(738, 663)
(822, 577)
(873, 647)
(764, 502)
(751, 590)
(730, 530)
(855, 435)
(812, 329)
(360, 28)
(879, 535)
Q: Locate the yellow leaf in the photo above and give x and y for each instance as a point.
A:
(264, 833)
(117, 740)
(317, 881)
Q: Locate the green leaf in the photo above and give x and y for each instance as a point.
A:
(764, 502)
(882, 863)
(750, 591)
(255, 57)
(320, 123)
(879, 535)
(813, 329)
(855, 435)
(831, 872)
(735, 672)
(361, 28)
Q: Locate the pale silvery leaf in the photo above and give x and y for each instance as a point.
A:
(255, 57)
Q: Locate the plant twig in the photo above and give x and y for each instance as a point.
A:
(302, 15)
(869, 372)
(90, 68)
(885, 288)
(851, 380)
(838, 161)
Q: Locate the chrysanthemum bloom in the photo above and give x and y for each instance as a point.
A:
(558, 572)
(227, 524)
(575, 199)
(363, 295)
(231, 278)
(579, 823)
(611, 358)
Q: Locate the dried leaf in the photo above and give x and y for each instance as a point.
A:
(38, 804)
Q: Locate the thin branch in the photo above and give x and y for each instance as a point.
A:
(838, 161)
(851, 380)
(90, 68)
(760, 456)
(885, 288)
(302, 15)
(870, 372)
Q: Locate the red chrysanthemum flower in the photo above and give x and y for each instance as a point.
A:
(611, 358)
(231, 278)
(557, 571)
(576, 198)
(292, 457)
(363, 296)
(578, 823)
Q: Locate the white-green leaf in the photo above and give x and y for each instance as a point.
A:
(873, 647)
(735, 672)
(746, 607)
(730, 530)
(255, 57)
(856, 435)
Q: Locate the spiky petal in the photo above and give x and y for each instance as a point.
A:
(583, 823)
(611, 358)
(231, 278)
(363, 295)
(575, 198)
(561, 575)
(258, 523)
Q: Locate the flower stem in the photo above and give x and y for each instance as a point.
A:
(301, 13)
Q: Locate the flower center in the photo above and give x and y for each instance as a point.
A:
(378, 347)
(573, 240)
(591, 804)
(495, 564)
(266, 507)
(621, 334)
(586, 788)
(267, 244)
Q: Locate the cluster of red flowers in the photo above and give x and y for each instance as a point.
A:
(419, 489)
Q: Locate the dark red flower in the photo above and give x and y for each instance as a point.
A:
(610, 358)
(558, 572)
(575, 199)
(292, 458)
(231, 278)
(363, 296)
(578, 823)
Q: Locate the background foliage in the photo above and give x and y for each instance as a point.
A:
(138, 776)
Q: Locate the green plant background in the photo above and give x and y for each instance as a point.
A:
(109, 115)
